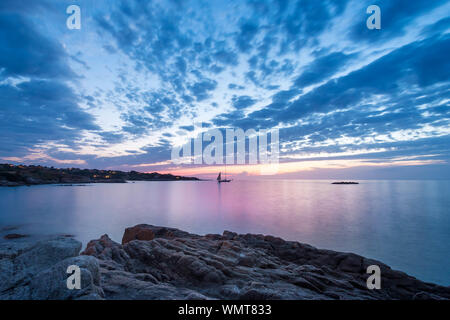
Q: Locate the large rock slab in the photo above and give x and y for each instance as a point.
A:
(173, 264)
(166, 263)
(37, 270)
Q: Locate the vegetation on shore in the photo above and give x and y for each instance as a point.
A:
(19, 175)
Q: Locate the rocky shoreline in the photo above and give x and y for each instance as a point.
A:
(165, 263)
(21, 175)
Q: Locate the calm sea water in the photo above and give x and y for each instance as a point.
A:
(405, 224)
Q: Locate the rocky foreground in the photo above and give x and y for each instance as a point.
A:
(14, 176)
(164, 263)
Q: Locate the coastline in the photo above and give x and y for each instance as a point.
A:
(21, 175)
(166, 263)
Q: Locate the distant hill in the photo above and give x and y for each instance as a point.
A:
(19, 175)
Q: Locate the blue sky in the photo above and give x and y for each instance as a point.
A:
(348, 101)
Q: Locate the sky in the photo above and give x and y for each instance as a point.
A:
(140, 77)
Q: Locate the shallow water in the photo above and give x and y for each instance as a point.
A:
(405, 224)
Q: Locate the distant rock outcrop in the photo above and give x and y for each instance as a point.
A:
(15, 236)
(12, 176)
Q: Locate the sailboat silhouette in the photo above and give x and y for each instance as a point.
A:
(219, 177)
(220, 180)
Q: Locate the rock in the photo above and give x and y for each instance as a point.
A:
(261, 293)
(196, 296)
(14, 236)
(350, 263)
(306, 284)
(11, 176)
(11, 249)
(91, 296)
(110, 252)
(9, 228)
(180, 265)
(32, 180)
(97, 247)
(46, 253)
(345, 182)
(138, 232)
(426, 296)
(246, 261)
(230, 291)
(274, 240)
(6, 274)
(229, 235)
(24, 263)
(51, 284)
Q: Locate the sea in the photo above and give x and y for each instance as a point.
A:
(405, 224)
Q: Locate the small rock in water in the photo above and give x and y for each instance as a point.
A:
(137, 233)
(15, 236)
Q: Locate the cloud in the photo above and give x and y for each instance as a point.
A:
(38, 111)
(234, 86)
(187, 128)
(247, 32)
(25, 52)
(421, 63)
(37, 105)
(322, 68)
